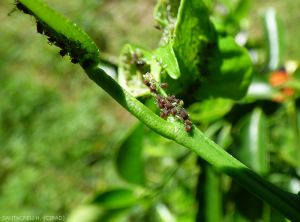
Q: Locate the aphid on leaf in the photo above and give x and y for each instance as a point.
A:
(51, 40)
(152, 88)
(168, 105)
(174, 111)
(39, 27)
(22, 8)
(164, 113)
(164, 85)
(160, 99)
(171, 98)
(63, 52)
(158, 27)
(75, 60)
(147, 82)
(188, 128)
(183, 114)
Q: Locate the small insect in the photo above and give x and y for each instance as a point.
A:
(188, 128)
(158, 27)
(39, 27)
(164, 113)
(168, 105)
(183, 114)
(164, 85)
(22, 8)
(63, 52)
(51, 40)
(75, 60)
(152, 88)
(174, 111)
(188, 122)
(160, 99)
(147, 82)
(171, 98)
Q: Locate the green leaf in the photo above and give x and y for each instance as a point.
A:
(193, 32)
(166, 55)
(210, 110)
(213, 195)
(214, 65)
(63, 33)
(85, 213)
(253, 140)
(117, 198)
(260, 89)
(165, 12)
(134, 62)
(275, 39)
(228, 74)
(129, 161)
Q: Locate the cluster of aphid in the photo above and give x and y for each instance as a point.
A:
(168, 105)
(67, 47)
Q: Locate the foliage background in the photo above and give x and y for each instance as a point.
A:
(58, 138)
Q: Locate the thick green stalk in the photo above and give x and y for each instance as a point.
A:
(285, 202)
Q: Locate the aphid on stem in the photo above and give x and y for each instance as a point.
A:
(164, 85)
(183, 114)
(39, 27)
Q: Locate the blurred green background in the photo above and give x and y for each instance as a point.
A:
(58, 138)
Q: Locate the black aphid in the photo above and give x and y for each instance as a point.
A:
(147, 82)
(188, 128)
(22, 8)
(63, 52)
(153, 88)
(171, 98)
(164, 113)
(39, 27)
(168, 105)
(51, 40)
(174, 111)
(75, 60)
(183, 114)
(164, 85)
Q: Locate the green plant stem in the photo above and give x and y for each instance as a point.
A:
(285, 202)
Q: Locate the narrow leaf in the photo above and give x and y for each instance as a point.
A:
(275, 39)
(253, 149)
(130, 165)
(117, 198)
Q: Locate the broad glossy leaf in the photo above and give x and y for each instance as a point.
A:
(229, 72)
(129, 161)
(214, 65)
(210, 110)
(117, 198)
(193, 33)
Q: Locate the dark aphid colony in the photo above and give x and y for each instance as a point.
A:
(22, 8)
(67, 46)
(168, 105)
(63, 52)
(39, 27)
